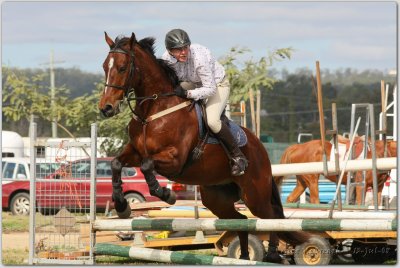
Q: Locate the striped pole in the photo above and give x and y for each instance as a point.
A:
(246, 225)
(291, 214)
(166, 256)
(318, 167)
(325, 206)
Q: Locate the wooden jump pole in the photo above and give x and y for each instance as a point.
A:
(246, 225)
(321, 118)
(290, 214)
(387, 163)
(347, 157)
(384, 118)
(166, 256)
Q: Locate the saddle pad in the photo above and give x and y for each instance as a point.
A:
(237, 132)
(342, 152)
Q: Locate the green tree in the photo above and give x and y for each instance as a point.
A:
(250, 75)
(23, 97)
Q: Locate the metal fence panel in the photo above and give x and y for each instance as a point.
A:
(60, 200)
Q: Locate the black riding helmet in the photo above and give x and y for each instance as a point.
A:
(176, 38)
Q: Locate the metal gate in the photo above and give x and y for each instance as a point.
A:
(60, 212)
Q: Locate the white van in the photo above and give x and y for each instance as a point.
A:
(15, 168)
(12, 144)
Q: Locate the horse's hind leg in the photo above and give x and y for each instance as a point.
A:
(260, 205)
(297, 191)
(163, 193)
(220, 200)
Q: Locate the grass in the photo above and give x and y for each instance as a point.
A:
(13, 223)
(14, 256)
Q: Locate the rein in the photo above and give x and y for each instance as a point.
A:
(158, 115)
(127, 91)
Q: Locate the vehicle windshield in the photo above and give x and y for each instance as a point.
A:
(45, 169)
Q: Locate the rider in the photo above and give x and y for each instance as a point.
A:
(202, 77)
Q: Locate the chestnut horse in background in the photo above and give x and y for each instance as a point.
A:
(163, 133)
(311, 151)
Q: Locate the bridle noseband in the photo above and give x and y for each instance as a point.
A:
(127, 90)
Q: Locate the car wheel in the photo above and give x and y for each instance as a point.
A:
(20, 204)
(316, 251)
(256, 248)
(133, 198)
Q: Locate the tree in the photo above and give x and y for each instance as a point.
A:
(253, 76)
(23, 97)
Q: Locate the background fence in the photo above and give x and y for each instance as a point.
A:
(60, 202)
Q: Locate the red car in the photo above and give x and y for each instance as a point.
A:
(70, 187)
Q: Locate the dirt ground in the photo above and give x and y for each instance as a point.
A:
(15, 240)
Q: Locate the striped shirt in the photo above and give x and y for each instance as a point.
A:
(200, 68)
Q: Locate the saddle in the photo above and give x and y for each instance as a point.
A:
(207, 137)
(344, 146)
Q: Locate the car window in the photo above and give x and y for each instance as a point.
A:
(128, 172)
(21, 170)
(8, 170)
(45, 169)
(103, 169)
(80, 170)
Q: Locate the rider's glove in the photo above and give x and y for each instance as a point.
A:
(180, 92)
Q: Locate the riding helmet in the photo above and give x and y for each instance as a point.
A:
(176, 38)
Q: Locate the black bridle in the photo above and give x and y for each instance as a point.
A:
(126, 88)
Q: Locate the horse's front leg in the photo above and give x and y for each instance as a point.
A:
(128, 157)
(163, 193)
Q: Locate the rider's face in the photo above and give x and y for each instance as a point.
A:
(180, 54)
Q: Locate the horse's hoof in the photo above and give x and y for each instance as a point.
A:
(247, 258)
(171, 198)
(273, 257)
(123, 209)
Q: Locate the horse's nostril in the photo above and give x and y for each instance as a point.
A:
(108, 107)
(107, 111)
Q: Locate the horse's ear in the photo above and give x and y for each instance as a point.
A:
(109, 41)
(133, 40)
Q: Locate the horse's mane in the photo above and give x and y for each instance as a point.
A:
(147, 44)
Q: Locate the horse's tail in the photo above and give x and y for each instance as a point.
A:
(294, 238)
(285, 159)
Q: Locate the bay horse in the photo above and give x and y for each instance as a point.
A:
(163, 133)
(311, 151)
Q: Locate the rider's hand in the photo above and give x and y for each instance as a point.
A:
(180, 92)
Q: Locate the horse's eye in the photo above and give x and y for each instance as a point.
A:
(122, 69)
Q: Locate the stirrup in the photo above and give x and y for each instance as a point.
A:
(239, 165)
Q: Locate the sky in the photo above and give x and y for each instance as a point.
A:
(358, 35)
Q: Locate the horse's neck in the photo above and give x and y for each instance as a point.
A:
(152, 78)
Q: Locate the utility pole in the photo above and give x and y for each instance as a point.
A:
(53, 93)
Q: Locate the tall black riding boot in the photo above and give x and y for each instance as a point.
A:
(238, 160)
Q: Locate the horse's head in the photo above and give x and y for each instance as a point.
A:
(118, 68)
